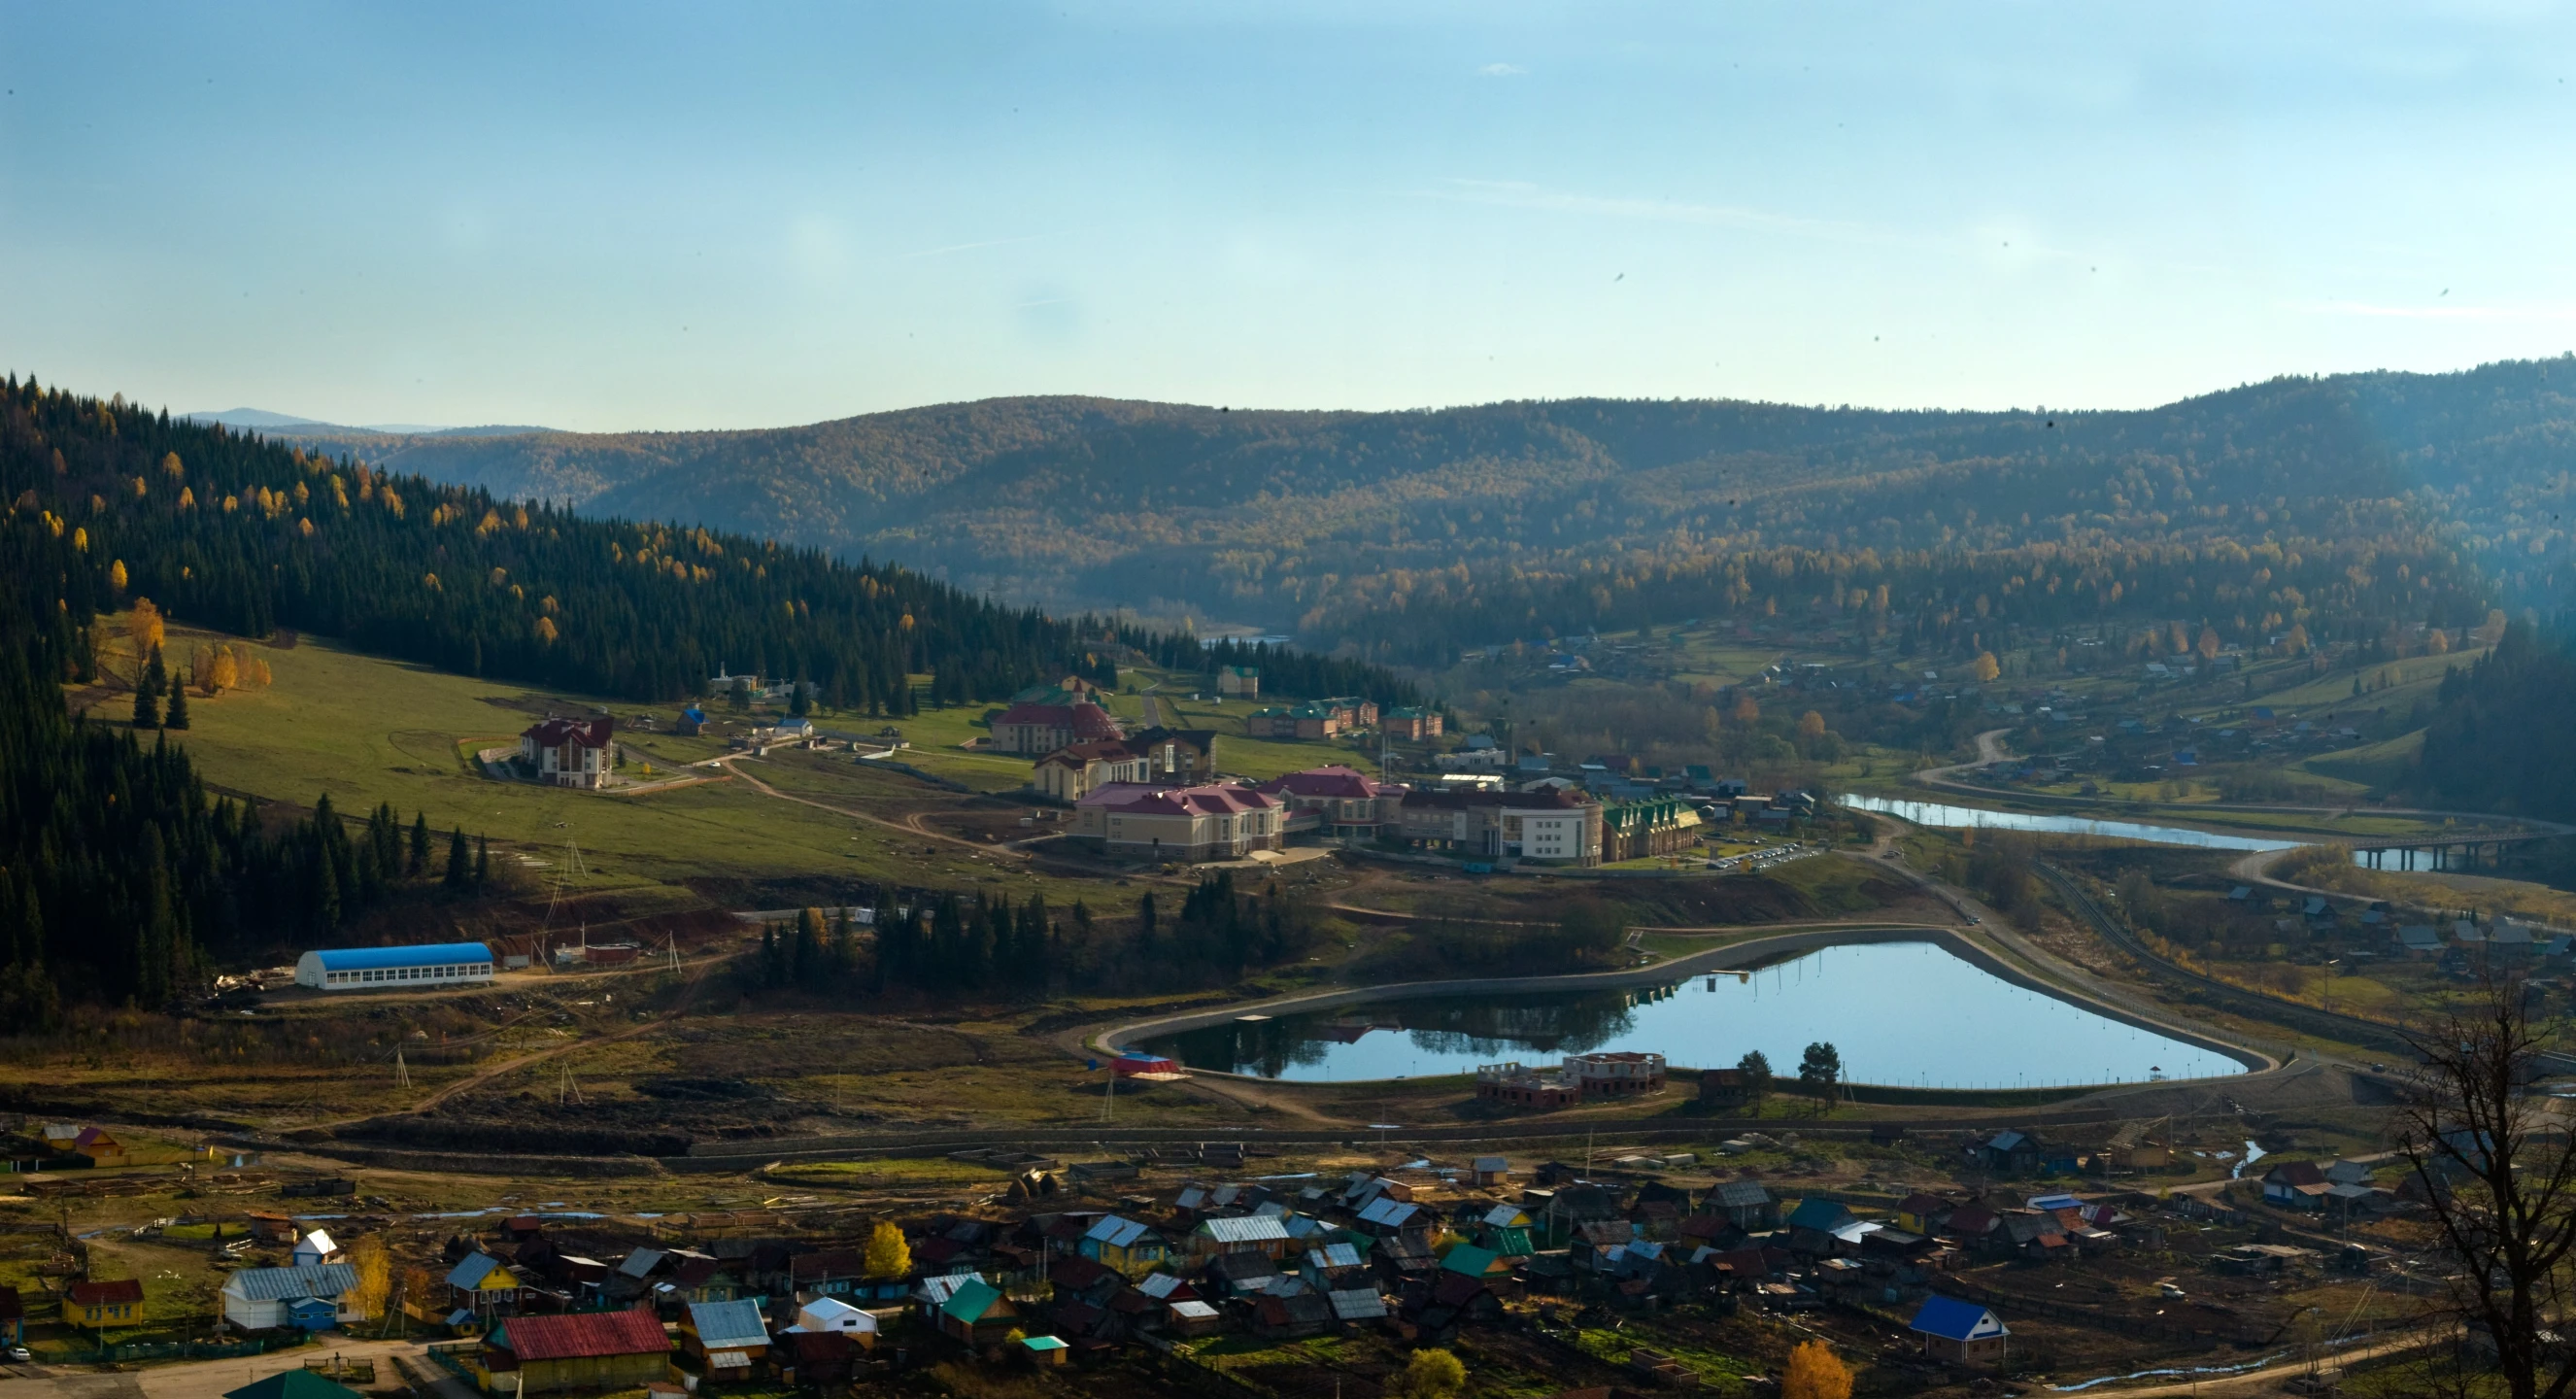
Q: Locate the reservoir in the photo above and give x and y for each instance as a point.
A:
(1937, 814)
(1906, 1013)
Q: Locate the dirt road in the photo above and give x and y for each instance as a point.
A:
(396, 1362)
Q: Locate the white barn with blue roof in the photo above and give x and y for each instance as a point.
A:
(382, 968)
(1960, 1332)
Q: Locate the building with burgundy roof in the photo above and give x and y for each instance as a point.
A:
(1173, 757)
(1549, 826)
(1336, 802)
(1036, 727)
(1141, 820)
(571, 752)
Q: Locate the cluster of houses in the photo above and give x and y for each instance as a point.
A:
(1163, 815)
(1278, 1259)
(1231, 819)
(1314, 719)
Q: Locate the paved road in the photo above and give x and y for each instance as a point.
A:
(397, 1362)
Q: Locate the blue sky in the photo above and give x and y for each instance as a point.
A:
(633, 216)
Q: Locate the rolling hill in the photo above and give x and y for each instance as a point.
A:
(1307, 520)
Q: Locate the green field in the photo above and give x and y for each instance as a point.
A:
(2371, 765)
(367, 730)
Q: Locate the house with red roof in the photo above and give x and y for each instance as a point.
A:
(1336, 802)
(99, 1305)
(1044, 718)
(577, 1350)
(570, 752)
(1217, 821)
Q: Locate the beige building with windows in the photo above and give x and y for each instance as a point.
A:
(1548, 826)
(1144, 821)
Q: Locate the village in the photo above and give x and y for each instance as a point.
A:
(1158, 794)
(1933, 1262)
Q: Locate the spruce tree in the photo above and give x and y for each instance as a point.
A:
(459, 866)
(177, 718)
(147, 708)
(419, 843)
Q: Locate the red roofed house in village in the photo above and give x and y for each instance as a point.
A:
(99, 1305)
(1336, 801)
(578, 1350)
(1050, 717)
(570, 752)
(1214, 822)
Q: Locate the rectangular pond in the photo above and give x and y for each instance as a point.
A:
(1905, 1013)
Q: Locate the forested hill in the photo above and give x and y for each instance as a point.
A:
(1323, 520)
(108, 503)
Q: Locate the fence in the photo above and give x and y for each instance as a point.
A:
(172, 1350)
(452, 1357)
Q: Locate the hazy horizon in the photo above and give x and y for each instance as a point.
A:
(658, 218)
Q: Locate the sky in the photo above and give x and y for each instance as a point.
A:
(641, 216)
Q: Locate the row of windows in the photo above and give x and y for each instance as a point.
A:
(388, 974)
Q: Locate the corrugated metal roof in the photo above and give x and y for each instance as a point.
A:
(1118, 1231)
(473, 1269)
(428, 954)
(582, 1335)
(728, 1324)
(1388, 1212)
(1357, 1304)
(1246, 1229)
(279, 1284)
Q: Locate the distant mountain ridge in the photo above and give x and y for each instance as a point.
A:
(270, 424)
(1294, 519)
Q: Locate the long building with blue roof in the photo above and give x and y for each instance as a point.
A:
(383, 968)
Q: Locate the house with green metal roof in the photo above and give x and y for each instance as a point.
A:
(978, 1314)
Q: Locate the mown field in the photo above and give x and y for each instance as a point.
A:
(367, 730)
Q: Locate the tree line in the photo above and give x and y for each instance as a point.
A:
(123, 882)
(228, 531)
(940, 942)
(2499, 739)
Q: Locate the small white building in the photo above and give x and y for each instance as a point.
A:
(266, 1299)
(316, 1247)
(378, 968)
(833, 1314)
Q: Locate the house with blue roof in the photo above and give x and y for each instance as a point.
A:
(389, 968)
(1128, 1245)
(1961, 1333)
(305, 1297)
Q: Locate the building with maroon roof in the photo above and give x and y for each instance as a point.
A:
(1549, 826)
(1033, 728)
(1336, 802)
(580, 1350)
(1219, 821)
(570, 752)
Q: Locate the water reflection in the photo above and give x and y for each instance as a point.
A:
(1899, 1013)
(1938, 814)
